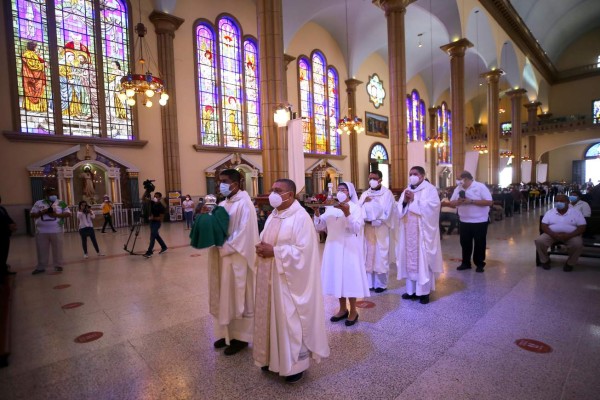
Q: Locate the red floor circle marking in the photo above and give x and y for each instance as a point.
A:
(456, 259)
(365, 304)
(72, 305)
(88, 337)
(64, 286)
(533, 345)
(195, 255)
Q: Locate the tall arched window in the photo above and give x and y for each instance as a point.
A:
(444, 130)
(319, 104)
(227, 85)
(69, 60)
(415, 117)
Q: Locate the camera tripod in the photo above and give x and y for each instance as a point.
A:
(134, 231)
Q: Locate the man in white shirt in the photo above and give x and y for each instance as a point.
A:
(578, 204)
(561, 224)
(49, 214)
(473, 200)
(378, 208)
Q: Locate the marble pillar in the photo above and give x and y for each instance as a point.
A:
(493, 101)
(456, 50)
(165, 26)
(532, 121)
(273, 90)
(432, 151)
(516, 97)
(351, 85)
(395, 11)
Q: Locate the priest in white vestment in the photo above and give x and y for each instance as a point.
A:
(289, 326)
(418, 251)
(232, 268)
(378, 207)
(343, 267)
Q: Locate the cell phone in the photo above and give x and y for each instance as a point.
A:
(461, 194)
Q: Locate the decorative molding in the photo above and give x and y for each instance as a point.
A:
(62, 139)
(214, 149)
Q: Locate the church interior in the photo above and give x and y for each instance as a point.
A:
(102, 96)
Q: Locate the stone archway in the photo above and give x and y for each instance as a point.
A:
(251, 174)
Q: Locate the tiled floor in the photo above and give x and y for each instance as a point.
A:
(157, 333)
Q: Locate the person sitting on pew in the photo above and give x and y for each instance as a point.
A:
(578, 204)
(561, 224)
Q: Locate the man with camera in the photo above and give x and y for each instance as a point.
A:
(157, 214)
(473, 200)
(49, 214)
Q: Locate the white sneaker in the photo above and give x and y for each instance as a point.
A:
(85, 256)
(101, 254)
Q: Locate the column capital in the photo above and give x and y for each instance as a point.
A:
(532, 105)
(390, 6)
(287, 59)
(352, 84)
(165, 23)
(516, 93)
(432, 110)
(457, 48)
(493, 75)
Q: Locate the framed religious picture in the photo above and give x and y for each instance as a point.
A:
(377, 125)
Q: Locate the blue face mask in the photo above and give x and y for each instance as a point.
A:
(224, 189)
(560, 206)
(573, 199)
(52, 198)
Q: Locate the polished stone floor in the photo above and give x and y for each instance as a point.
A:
(157, 333)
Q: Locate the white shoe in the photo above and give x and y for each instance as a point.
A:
(85, 256)
(101, 254)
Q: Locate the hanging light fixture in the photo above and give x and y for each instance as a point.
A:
(481, 148)
(435, 142)
(507, 154)
(143, 83)
(350, 123)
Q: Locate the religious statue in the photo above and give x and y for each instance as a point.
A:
(89, 190)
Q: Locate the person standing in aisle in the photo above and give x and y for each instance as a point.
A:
(85, 215)
(157, 214)
(107, 207)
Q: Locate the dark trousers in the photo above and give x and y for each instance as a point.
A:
(189, 218)
(108, 221)
(4, 247)
(473, 233)
(88, 233)
(155, 236)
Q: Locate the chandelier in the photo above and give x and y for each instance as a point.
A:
(481, 148)
(349, 124)
(507, 154)
(434, 142)
(526, 158)
(144, 83)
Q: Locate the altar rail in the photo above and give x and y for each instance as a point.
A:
(121, 217)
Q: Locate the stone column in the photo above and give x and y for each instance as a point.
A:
(433, 150)
(456, 51)
(515, 100)
(532, 108)
(351, 85)
(273, 91)
(165, 26)
(492, 78)
(395, 11)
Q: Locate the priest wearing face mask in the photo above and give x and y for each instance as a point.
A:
(561, 224)
(289, 321)
(578, 204)
(377, 204)
(419, 252)
(473, 201)
(232, 273)
(343, 267)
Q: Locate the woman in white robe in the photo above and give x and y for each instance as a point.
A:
(343, 269)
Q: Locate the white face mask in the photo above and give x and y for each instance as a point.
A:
(224, 189)
(275, 199)
(373, 183)
(459, 182)
(154, 199)
(341, 197)
(413, 180)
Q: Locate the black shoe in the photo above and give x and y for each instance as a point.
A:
(147, 255)
(38, 271)
(479, 269)
(341, 317)
(350, 323)
(568, 268)
(264, 368)
(163, 250)
(380, 290)
(546, 266)
(424, 299)
(235, 346)
(219, 344)
(407, 296)
(371, 289)
(59, 269)
(294, 378)
(462, 267)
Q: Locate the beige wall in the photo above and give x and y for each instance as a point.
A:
(583, 51)
(574, 97)
(561, 160)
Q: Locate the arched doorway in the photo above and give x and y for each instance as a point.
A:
(379, 161)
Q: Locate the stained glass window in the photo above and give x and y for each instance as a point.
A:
(379, 153)
(415, 117)
(76, 94)
(593, 151)
(444, 130)
(228, 86)
(319, 104)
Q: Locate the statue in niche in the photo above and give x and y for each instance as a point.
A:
(89, 189)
